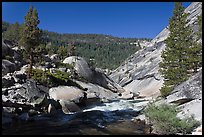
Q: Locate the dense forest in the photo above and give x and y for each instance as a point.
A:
(105, 51)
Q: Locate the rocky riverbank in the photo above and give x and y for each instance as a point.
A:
(68, 91)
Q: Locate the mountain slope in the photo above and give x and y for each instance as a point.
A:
(140, 72)
(105, 51)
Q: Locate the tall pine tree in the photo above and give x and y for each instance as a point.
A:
(176, 58)
(31, 35)
(196, 49)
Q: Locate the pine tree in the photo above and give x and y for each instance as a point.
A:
(199, 21)
(31, 35)
(196, 49)
(176, 59)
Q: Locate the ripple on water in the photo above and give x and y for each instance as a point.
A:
(108, 118)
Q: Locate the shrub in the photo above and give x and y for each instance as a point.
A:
(64, 65)
(51, 79)
(60, 76)
(164, 119)
(165, 90)
(40, 76)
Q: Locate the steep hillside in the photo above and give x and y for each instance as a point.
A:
(139, 73)
(105, 51)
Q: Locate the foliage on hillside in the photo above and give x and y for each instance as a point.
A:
(105, 51)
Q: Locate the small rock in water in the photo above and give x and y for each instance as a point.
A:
(68, 106)
(51, 109)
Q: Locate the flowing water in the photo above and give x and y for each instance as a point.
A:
(115, 117)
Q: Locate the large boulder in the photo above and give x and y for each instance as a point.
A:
(95, 92)
(103, 80)
(91, 75)
(27, 93)
(6, 50)
(81, 66)
(66, 93)
(68, 106)
(7, 67)
(7, 80)
(127, 95)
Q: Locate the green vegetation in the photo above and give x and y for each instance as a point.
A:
(164, 120)
(105, 51)
(195, 52)
(55, 78)
(51, 79)
(12, 32)
(64, 65)
(40, 76)
(5, 26)
(182, 55)
(31, 35)
(199, 21)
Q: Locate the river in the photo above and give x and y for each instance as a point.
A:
(116, 117)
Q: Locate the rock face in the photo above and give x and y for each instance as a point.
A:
(188, 90)
(193, 107)
(7, 67)
(95, 91)
(27, 93)
(6, 50)
(189, 95)
(7, 81)
(68, 106)
(91, 75)
(81, 66)
(140, 72)
(12, 60)
(66, 93)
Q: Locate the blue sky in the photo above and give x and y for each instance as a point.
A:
(121, 19)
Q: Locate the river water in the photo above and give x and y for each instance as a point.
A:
(116, 117)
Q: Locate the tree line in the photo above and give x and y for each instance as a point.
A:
(105, 51)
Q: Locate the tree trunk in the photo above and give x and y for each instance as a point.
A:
(31, 64)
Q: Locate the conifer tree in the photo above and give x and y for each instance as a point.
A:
(195, 53)
(176, 58)
(199, 21)
(31, 35)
